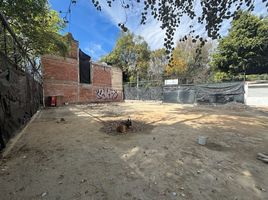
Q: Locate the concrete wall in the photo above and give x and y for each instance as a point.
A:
(256, 93)
(61, 78)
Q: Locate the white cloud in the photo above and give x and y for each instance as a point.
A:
(152, 32)
(94, 50)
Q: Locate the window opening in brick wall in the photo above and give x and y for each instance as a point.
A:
(84, 67)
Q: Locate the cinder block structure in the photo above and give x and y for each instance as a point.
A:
(76, 79)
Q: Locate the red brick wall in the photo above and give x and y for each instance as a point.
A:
(85, 93)
(101, 75)
(59, 68)
(67, 92)
(101, 89)
(61, 78)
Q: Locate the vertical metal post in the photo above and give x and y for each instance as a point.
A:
(244, 69)
(138, 96)
(5, 40)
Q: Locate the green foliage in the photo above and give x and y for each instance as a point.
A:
(36, 25)
(178, 66)
(171, 14)
(245, 48)
(254, 77)
(188, 62)
(157, 64)
(131, 53)
(221, 76)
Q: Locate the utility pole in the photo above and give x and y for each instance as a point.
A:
(244, 69)
(138, 96)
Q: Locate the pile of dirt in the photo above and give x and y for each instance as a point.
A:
(110, 127)
(235, 106)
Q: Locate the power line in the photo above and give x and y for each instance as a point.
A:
(68, 13)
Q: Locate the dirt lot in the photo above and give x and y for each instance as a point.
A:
(77, 158)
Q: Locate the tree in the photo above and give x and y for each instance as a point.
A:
(131, 53)
(178, 66)
(157, 64)
(36, 25)
(211, 13)
(189, 61)
(245, 48)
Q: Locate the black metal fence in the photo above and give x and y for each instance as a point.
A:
(211, 93)
(186, 93)
(21, 92)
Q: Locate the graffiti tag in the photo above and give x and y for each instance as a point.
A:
(106, 93)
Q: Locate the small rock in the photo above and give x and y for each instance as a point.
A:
(24, 157)
(174, 193)
(83, 181)
(260, 188)
(62, 119)
(182, 188)
(155, 183)
(198, 171)
(107, 148)
(165, 147)
(44, 194)
(182, 194)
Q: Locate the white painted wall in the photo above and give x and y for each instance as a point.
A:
(256, 93)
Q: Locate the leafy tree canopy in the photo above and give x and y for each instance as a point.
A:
(157, 64)
(131, 53)
(245, 48)
(189, 64)
(211, 13)
(36, 25)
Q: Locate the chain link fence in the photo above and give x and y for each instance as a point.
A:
(185, 93)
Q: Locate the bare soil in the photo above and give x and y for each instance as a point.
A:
(75, 158)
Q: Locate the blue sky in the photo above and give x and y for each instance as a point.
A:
(97, 31)
(93, 29)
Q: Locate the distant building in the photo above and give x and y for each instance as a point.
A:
(76, 79)
(256, 93)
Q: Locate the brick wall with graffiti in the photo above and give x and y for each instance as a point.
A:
(62, 79)
(106, 85)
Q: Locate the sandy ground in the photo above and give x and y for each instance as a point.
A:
(75, 159)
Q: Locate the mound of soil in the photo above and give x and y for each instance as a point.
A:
(110, 127)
